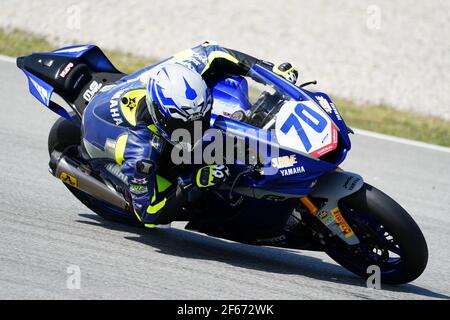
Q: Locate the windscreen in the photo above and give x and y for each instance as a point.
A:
(251, 99)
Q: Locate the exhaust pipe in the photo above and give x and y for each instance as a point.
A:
(72, 173)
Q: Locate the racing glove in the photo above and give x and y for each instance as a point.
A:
(287, 71)
(212, 175)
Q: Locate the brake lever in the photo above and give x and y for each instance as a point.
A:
(314, 82)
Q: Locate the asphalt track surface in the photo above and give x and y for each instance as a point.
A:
(44, 230)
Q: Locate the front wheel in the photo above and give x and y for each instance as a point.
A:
(389, 238)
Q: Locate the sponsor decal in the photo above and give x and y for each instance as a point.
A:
(338, 116)
(66, 70)
(114, 108)
(157, 143)
(292, 171)
(129, 103)
(94, 87)
(273, 197)
(329, 107)
(42, 92)
(350, 183)
(328, 220)
(139, 181)
(325, 217)
(273, 239)
(343, 225)
(138, 189)
(68, 179)
(330, 147)
(78, 81)
(324, 104)
(284, 162)
(336, 112)
(323, 214)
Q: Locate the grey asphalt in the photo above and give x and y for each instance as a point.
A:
(44, 230)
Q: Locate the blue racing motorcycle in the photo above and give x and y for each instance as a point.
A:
(296, 197)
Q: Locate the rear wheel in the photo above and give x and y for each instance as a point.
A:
(389, 238)
(104, 209)
(65, 134)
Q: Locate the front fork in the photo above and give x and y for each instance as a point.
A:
(334, 186)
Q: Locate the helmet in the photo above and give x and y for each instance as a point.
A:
(178, 97)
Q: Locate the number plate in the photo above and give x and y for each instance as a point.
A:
(305, 127)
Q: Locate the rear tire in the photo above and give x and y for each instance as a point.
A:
(104, 210)
(64, 134)
(396, 230)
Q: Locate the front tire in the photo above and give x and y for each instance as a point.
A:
(389, 238)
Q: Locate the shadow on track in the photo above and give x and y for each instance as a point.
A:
(193, 245)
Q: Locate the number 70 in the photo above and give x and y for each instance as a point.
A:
(293, 121)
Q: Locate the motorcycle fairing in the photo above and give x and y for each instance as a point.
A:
(89, 54)
(329, 107)
(334, 186)
(288, 181)
(45, 74)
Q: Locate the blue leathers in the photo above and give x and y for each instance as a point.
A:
(117, 125)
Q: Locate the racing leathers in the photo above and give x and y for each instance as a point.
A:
(117, 125)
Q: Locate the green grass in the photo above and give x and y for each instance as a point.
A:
(403, 124)
(17, 43)
(376, 118)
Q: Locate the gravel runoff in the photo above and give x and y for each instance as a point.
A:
(390, 52)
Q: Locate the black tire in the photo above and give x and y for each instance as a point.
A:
(104, 210)
(64, 134)
(396, 230)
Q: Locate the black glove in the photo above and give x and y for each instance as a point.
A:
(287, 71)
(211, 175)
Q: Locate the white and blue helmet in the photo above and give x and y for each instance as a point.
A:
(177, 97)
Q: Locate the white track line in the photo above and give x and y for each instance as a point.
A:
(7, 59)
(357, 131)
(401, 140)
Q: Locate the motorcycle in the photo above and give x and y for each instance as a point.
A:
(298, 198)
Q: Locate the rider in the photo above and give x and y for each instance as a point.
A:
(132, 120)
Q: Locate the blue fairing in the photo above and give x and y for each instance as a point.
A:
(39, 89)
(42, 91)
(276, 182)
(233, 91)
(90, 55)
(334, 115)
(309, 167)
